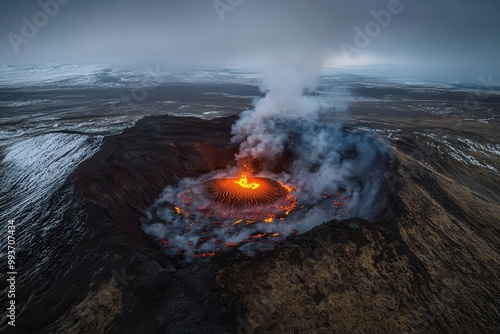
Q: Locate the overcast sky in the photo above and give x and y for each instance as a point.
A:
(440, 39)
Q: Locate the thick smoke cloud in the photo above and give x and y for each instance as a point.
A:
(325, 158)
(284, 84)
(337, 174)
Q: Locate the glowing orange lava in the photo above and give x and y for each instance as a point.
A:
(247, 197)
(243, 182)
(230, 205)
(245, 191)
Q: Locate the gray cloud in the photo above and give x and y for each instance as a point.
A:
(450, 39)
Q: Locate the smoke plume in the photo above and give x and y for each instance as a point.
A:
(337, 173)
(325, 158)
(284, 83)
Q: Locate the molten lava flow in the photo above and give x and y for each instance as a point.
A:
(235, 211)
(233, 206)
(243, 182)
(248, 198)
(246, 191)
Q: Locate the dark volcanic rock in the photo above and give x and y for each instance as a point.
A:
(150, 292)
(423, 269)
(430, 265)
(131, 169)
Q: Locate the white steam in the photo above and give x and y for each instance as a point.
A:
(326, 158)
(338, 174)
(284, 83)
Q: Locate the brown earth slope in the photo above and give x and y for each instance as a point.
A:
(431, 265)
